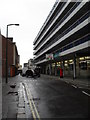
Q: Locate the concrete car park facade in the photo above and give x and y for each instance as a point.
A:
(65, 37)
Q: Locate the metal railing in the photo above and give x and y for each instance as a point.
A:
(73, 44)
(85, 16)
(57, 25)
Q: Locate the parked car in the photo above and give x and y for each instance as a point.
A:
(32, 73)
(29, 72)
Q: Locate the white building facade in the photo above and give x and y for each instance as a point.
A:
(65, 35)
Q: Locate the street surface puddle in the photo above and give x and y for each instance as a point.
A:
(13, 86)
(12, 93)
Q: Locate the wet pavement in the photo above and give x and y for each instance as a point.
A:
(9, 99)
(44, 98)
(0, 98)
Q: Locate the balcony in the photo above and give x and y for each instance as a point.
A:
(80, 26)
(61, 24)
(85, 16)
(75, 46)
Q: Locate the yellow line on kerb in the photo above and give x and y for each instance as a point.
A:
(31, 103)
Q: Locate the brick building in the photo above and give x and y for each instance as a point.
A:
(13, 57)
(0, 56)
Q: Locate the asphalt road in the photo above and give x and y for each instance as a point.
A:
(46, 98)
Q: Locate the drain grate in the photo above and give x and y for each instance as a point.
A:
(12, 93)
(12, 86)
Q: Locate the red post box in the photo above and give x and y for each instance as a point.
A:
(61, 73)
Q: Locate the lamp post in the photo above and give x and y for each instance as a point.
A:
(7, 50)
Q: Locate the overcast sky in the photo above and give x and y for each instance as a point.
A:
(30, 14)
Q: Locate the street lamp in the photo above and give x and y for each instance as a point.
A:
(7, 50)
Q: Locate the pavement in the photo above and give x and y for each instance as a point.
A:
(0, 98)
(12, 95)
(78, 82)
(12, 99)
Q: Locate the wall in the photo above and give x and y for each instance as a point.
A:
(10, 55)
(3, 56)
(0, 76)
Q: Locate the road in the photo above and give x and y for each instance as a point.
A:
(46, 98)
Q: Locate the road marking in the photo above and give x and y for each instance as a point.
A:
(80, 87)
(32, 110)
(31, 103)
(67, 82)
(74, 86)
(86, 93)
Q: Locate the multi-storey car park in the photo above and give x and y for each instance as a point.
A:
(65, 36)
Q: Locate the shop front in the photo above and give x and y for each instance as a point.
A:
(83, 67)
(80, 68)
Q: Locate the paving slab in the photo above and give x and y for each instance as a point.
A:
(10, 98)
(21, 115)
(0, 100)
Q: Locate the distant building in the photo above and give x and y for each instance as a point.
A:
(13, 57)
(63, 41)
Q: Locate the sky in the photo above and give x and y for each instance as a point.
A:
(30, 15)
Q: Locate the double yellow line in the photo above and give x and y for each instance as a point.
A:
(31, 103)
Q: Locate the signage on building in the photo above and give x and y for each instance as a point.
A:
(49, 56)
(56, 54)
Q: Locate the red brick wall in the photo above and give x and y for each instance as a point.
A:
(3, 56)
(10, 55)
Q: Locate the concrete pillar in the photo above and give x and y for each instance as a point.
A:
(50, 69)
(55, 69)
(77, 68)
(63, 68)
(74, 67)
(46, 70)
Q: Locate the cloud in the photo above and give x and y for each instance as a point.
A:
(30, 14)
